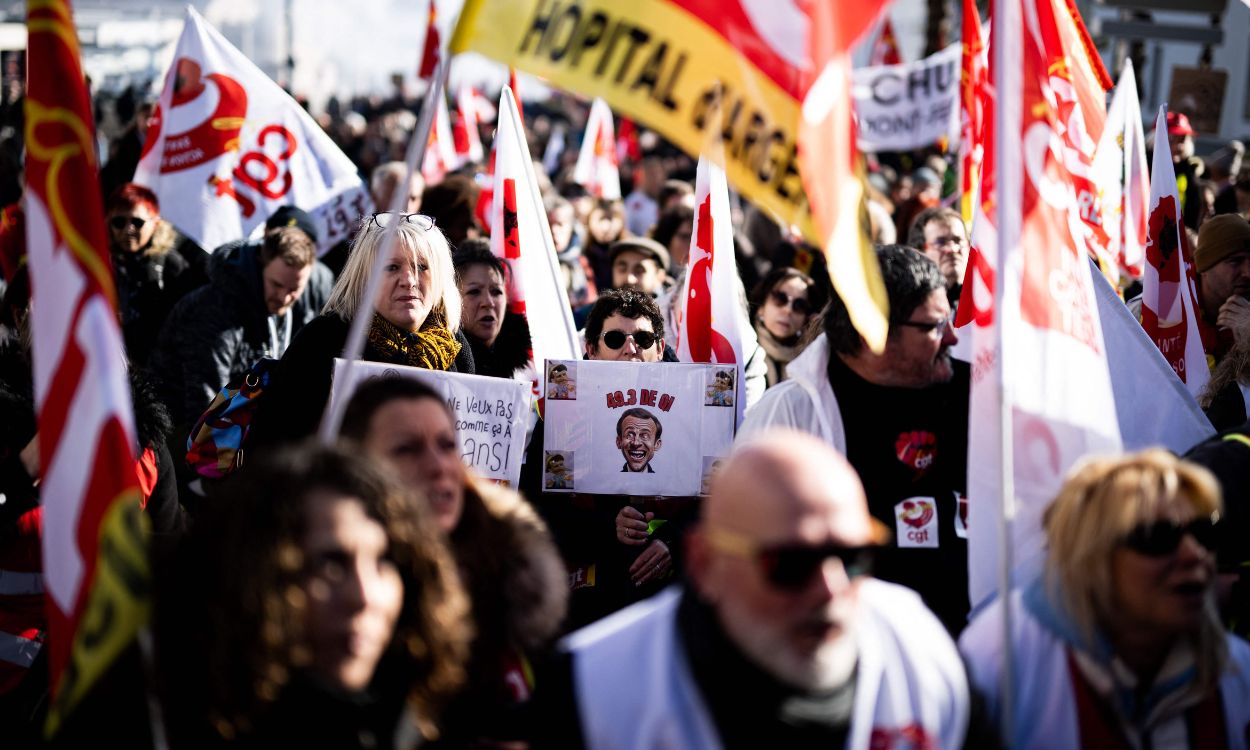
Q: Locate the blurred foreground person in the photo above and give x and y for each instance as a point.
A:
(320, 608)
(782, 637)
(506, 558)
(1118, 643)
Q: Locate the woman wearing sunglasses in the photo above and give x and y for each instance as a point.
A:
(416, 322)
(1118, 643)
(148, 265)
(783, 304)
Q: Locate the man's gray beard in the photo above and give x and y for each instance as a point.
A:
(828, 667)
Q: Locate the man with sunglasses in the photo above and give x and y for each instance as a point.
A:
(781, 637)
(901, 419)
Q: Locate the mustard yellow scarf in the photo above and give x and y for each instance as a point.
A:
(434, 347)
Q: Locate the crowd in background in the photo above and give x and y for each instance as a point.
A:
(379, 594)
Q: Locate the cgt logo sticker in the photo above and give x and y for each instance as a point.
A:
(916, 523)
(916, 450)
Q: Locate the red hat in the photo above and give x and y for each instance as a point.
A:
(1178, 124)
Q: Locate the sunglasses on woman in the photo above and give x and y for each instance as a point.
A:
(791, 567)
(797, 304)
(121, 222)
(385, 218)
(1163, 538)
(616, 339)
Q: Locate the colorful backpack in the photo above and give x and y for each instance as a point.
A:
(215, 445)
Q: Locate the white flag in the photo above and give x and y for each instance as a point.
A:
(520, 234)
(468, 141)
(440, 153)
(712, 325)
(1047, 334)
(227, 147)
(1169, 310)
(1119, 170)
(596, 163)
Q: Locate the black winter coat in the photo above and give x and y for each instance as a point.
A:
(299, 388)
(216, 333)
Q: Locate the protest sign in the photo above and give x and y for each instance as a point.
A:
(674, 65)
(635, 428)
(491, 414)
(903, 107)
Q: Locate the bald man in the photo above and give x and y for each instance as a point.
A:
(782, 635)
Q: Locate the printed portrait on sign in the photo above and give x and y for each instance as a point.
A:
(561, 383)
(638, 433)
(558, 470)
(720, 388)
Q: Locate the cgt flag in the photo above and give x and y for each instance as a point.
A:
(521, 236)
(678, 66)
(432, 49)
(1121, 174)
(1169, 309)
(885, 49)
(596, 168)
(440, 154)
(94, 551)
(974, 97)
(467, 138)
(1040, 356)
(711, 323)
(227, 147)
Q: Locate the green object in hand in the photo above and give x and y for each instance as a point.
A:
(654, 525)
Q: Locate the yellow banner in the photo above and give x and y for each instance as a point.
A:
(117, 605)
(662, 66)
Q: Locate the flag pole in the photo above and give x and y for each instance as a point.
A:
(1007, 120)
(332, 418)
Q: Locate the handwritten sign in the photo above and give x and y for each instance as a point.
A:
(491, 414)
(635, 428)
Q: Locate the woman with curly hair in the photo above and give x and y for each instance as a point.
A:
(319, 607)
(511, 569)
(1117, 643)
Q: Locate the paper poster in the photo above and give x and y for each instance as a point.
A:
(491, 414)
(635, 428)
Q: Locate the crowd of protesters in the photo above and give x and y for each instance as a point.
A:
(377, 593)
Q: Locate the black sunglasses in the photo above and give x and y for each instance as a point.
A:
(791, 567)
(1163, 538)
(121, 222)
(616, 339)
(797, 304)
(384, 219)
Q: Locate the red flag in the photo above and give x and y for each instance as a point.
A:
(973, 107)
(885, 51)
(596, 166)
(828, 163)
(433, 45)
(627, 146)
(95, 567)
(1169, 300)
(1041, 356)
(468, 140)
(516, 92)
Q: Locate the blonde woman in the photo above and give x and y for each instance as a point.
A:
(1118, 643)
(416, 322)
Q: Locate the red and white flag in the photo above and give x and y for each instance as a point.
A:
(885, 49)
(1122, 177)
(440, 152)
(712, 324)
(974, 73)
(227, 147)
(829, 162)
(467, 138)
(596, 167)
(1169, 310)
(521, 236)
(432, 49)
(1046, 336)
(95, 568)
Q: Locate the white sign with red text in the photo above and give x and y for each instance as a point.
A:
(227, 147)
